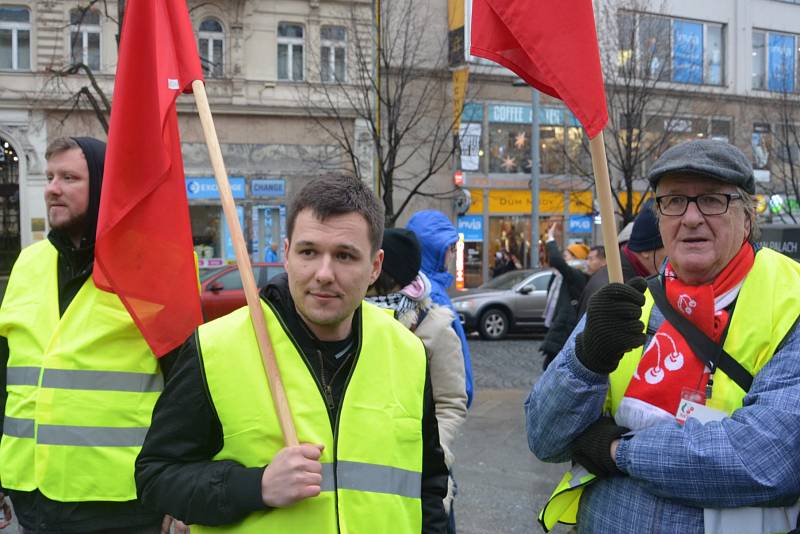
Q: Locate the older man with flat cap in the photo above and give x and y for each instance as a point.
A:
(678, 398)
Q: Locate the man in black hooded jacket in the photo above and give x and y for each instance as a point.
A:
(72, 197)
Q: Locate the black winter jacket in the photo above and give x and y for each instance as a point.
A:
(566, 316)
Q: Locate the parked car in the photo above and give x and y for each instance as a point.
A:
(513, 301)
(221, 289)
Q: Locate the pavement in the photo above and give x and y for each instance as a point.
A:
(501, 485)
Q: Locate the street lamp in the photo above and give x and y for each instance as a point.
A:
(535, 173)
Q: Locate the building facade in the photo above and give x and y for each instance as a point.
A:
(259, 59)
(728, 69)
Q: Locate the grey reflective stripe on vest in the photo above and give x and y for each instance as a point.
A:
(379, 479)
(90, 436)
(19, 428)
(578, 472)
(22, 376)
(102, 380)
(328, 482)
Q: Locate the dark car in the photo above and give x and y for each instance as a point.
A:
(513, 301)
(221, 289)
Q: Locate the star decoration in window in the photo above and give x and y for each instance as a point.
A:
(509, 163)
(520, 140)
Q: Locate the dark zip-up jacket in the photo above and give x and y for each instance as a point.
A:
(175, 472)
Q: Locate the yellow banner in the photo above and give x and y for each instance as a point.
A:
(460, 78)
(455, 14)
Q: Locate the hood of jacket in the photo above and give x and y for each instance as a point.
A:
(435, 233)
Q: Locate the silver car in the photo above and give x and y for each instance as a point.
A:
(513, 301)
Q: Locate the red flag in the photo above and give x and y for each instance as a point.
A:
(552, 45)
(144, 250)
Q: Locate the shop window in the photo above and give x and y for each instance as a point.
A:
(510, 234)
(333, 48)
(211, 43)
(721, 130)
(206, 231)
(713, 55)
(761, 144)
(551, 153)
(671, 131)
(626, 35)
(786, 141)
(15, 38)
(774, 61)
(510, 148)
(759, 60)
(85, 37)
(577, 152)
(290, 52)
(658, 47)
(654, 46)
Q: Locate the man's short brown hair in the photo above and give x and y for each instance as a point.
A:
(59, 145)
(339, 195)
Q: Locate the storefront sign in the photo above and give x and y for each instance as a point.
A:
(268, 188)
(202, 187)
(471, 227)
(580, 224)
(511, 202)
(516, 114)
(783, 238)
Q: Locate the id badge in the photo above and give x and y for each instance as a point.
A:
(692, 404)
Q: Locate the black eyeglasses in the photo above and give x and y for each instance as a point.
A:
(708, 203)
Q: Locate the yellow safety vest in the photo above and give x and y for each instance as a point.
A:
(767, 308)
(372, 461)
(81, 387)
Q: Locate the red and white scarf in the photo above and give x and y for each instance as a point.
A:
(669, 364)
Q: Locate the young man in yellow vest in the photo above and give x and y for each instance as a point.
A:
(357, 386)
(678, 399)
(78, 381)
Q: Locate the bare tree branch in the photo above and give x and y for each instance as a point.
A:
(394, 94)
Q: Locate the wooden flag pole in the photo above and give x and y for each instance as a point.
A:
(245, 268)
(597, 148)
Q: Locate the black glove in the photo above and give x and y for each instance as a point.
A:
(592, 449)
(613, 325)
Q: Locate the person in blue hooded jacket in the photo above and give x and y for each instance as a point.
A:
(437, 236)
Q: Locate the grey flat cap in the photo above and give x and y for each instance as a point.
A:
(715, 159)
